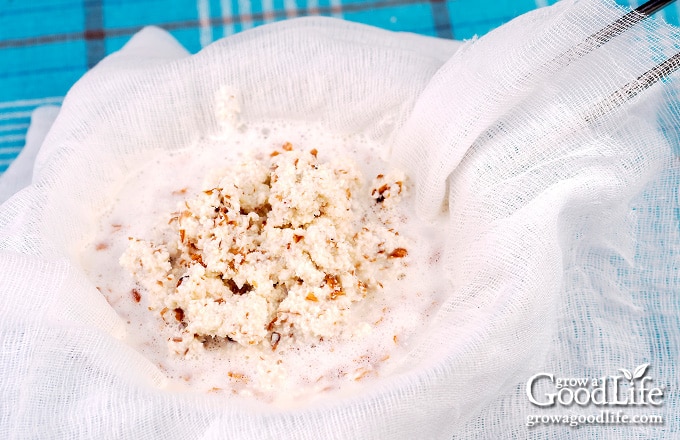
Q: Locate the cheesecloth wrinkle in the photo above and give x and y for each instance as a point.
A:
(562, 237)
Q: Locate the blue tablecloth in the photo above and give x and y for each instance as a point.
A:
(46, 45)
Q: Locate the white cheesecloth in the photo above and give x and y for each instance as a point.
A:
(562, 243)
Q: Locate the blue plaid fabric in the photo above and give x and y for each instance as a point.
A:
(46, 45)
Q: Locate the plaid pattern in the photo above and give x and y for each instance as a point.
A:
(46, 45)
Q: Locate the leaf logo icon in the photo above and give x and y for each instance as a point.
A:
(640, 371)
(626, 373)
(637, 374)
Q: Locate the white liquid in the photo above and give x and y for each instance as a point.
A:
(386, 320)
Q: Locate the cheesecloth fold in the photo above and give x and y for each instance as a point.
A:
(562, 237)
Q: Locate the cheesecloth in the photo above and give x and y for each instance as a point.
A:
(562, 240)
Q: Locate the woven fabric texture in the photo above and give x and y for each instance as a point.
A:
(561, 248)
(46, 45)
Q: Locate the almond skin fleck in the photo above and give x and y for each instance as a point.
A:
(331, 280)
(399, 253)
(361, 375)
(198, 258)
(276, 337)
(335, 294)
(136, 296)
(238, 376)
(287, 146)
(101, 246)
(179, 314)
